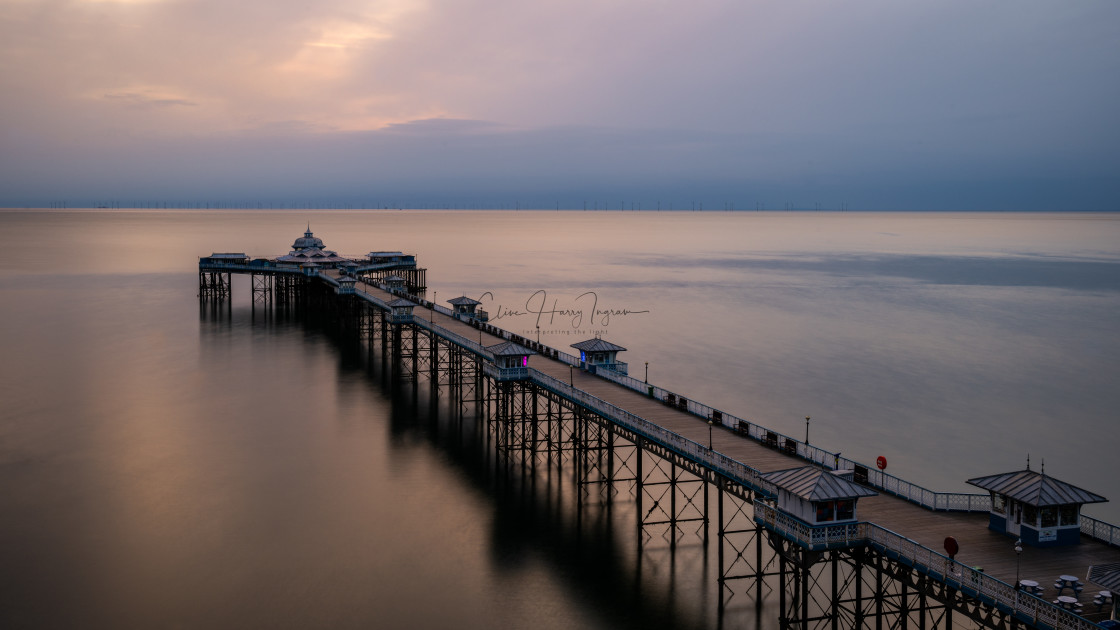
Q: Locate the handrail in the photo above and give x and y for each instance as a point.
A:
(268, 264)
(813, 537)
(248, 267)
(1100, 530)
(455, 338)
(972, 581)
(713, 460)
(372, 299)
(940, 501)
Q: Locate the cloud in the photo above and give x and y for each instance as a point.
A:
(147, 99)
(940, 103)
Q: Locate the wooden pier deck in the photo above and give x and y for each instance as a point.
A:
(979, 546)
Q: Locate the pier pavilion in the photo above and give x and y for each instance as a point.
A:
(596, 353)
(468, 308)
(1041, 511)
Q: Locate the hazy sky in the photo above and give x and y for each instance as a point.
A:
(978, 104)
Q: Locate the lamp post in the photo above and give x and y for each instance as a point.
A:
(571, 376)
(647, 373)
(806, 430)
(710, 423)
(1018, 557)
(538, 335)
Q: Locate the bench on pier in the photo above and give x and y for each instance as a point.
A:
(771, 439)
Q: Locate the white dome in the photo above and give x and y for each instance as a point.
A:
(307, 240)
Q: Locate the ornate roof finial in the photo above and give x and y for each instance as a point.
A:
(1028, 462)
(308, 232)
(1043, 465)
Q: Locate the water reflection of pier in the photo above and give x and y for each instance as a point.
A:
(640, 455)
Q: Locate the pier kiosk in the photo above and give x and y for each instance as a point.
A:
(466, 308)
(1040, 510)
(402, 311)
(816, 496)
(309, 268)
(511, 361)
(596, 353)
(346, 285)
(395, 283)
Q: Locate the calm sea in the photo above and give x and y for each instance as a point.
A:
(163, 468)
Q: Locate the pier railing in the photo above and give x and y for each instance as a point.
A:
(726, 466)
(939, 501)
(815, 538)
(974, 582)
(1100, 530)
(372, 299)
(504, 374)
(262, 267)
(970, 581)
(929, 499)
(455, 338)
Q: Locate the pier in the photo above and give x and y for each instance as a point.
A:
(873, 553)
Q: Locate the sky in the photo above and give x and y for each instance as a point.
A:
(720, 104)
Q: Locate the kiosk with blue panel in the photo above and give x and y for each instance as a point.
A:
(1041, 510)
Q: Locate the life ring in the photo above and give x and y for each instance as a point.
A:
(881, 462)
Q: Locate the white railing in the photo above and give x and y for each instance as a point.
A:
(249, 267)
(941, 501)
(386, 265)
(973, 582)
(810, 536)
(615, 368)
(456, 338)
(505, 374)
(565, 357)
(730, 468)
(376, 301)
(1100, 530)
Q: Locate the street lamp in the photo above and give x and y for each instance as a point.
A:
(571, 375)
(710, 423)
(538, 335)
(1018, 556)
(647, 373)
(806, 430)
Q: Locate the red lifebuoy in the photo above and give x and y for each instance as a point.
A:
(951, 547)
(881, 462)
